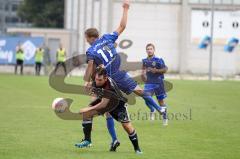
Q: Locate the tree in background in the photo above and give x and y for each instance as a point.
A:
(43, 13)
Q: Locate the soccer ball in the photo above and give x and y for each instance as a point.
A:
(59, 105)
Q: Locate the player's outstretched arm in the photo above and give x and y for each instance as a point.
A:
(96, 107)
(88, 73)
(123, 23)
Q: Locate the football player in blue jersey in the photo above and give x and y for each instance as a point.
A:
(102, 52)
(153, 71)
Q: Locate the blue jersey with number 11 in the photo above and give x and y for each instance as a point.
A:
(102, 51)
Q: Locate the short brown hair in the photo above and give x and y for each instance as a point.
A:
(92, 33)
(101, 71)
(150, 44)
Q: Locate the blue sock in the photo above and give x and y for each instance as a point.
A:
(149, 106)
(111, 128)
(151, 101)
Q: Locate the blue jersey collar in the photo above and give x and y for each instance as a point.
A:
(94, 42)
(150, 58)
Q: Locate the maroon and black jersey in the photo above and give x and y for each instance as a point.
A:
(107, 90)
(116, 106)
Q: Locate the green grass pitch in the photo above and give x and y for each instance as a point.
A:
(30, 129)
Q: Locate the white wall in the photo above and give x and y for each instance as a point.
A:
(160, 24)
(148, 23)
(224, 64)
(77, 20)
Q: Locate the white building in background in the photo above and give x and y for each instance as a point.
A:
(176, 27)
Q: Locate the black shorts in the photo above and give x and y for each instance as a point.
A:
(19, 62)
(38, 63)
(119, 113)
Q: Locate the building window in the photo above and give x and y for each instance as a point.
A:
(193, 1)
(217, 1)
(15, 19)
(14, 7)
(7, 19)
(204, 1)
(176, 1)
(1, 6)
(236, 1)
(227, 1)
(7, 7)
(11, 20)
(164, 1)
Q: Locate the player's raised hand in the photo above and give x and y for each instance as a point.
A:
(126, 4)
(124, 18)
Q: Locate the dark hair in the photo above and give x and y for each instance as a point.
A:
(150, 44)
(92, 33)
(101, 71)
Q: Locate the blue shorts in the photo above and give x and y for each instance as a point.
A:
(124, 82)
(157, 88)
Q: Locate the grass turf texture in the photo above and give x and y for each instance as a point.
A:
(30, 129)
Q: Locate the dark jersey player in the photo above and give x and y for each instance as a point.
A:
(103, 53)
(119, 111)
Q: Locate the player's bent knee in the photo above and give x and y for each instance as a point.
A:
(128, 127)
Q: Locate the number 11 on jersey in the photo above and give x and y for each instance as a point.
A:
(102, 53)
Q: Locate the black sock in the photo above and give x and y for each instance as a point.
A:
(87, 128)
(134, 139)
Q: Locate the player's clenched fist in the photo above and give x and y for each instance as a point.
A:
(126, 4)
